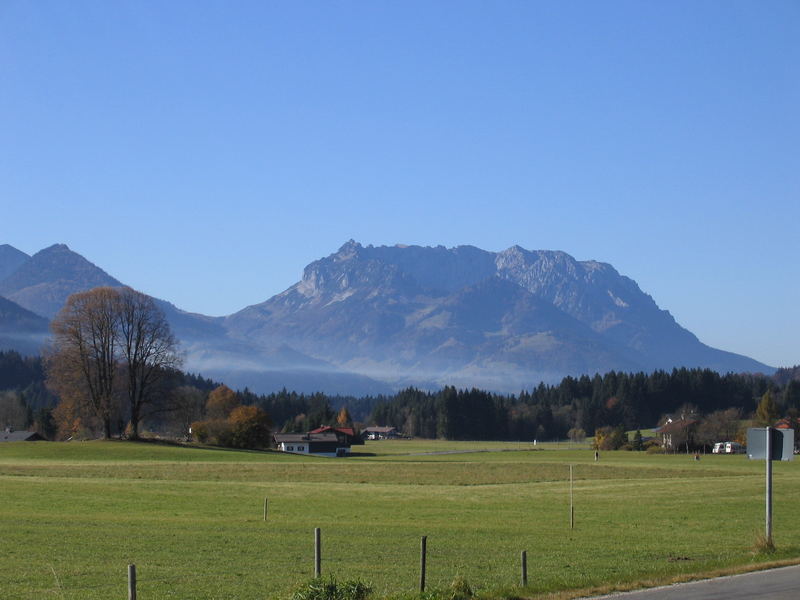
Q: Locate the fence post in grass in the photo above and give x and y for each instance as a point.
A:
(524, 568)
(422, 555)
(131, 582)
(571, 503)
(265, 507)
(317, 553)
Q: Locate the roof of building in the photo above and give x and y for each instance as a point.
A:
(675, 425)
(19, 436)
(297, 438)
(346, 430)
(379, 429)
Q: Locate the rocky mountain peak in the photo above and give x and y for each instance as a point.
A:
(8, 248)
(44, 282)
(54, 249)
(348, 251)
(10, 260)
(512, 257)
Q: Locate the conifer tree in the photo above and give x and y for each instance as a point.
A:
(767, 412)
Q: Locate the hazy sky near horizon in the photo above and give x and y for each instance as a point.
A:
(205, 152)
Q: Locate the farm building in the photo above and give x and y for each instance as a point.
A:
(325, 443)
(677, 432)
(343, 434)
(790, 423)
(379, 433)
(9, 435)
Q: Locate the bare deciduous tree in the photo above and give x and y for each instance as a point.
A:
(187, 402)
(83, 364)
(147, 348)
(720, 426)
(105, 340)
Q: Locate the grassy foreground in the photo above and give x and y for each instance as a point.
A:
(74, 515)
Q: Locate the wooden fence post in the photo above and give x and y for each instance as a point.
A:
(422, 556)
(266, 503)
(571, 502)
(524, 568)
(317, 553)
(131, 582)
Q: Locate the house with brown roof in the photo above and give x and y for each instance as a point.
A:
(346, 435)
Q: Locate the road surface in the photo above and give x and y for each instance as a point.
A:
(773, 584)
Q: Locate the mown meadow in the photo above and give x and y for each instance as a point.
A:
(74, 515)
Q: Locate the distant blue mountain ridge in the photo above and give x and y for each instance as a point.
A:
(367, 320)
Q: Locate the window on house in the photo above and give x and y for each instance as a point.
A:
(290, 448)
(301, 448)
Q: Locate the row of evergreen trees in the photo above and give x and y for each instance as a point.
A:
(625, 400)
(630, 401)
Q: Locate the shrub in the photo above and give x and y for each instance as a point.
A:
(609, 438)
(330, 589)
(199, 430)
(246, 427)
(212, 432)
(655, 449)
(460, 589)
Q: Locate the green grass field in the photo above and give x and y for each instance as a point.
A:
(74, 515)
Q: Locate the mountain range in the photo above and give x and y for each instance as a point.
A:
(366, 320)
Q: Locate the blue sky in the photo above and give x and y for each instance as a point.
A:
(205, 152)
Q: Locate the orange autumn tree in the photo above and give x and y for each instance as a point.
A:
(250, 427)
(221, 401)
(231, 424)
(343, 419)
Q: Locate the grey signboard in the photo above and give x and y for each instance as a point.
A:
(782, 443)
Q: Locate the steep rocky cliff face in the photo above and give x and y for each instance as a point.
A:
(469, 316)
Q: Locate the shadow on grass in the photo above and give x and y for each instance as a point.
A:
(196, 446)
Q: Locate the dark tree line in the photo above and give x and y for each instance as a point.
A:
(25, 375)
(23, 383)
(619, 400)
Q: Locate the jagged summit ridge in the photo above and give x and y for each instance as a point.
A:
(404, 310)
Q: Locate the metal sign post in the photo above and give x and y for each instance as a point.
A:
(770, 444)
(768, 460)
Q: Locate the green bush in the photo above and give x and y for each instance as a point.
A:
(330, 589)
(460, 589)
